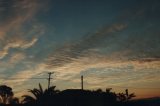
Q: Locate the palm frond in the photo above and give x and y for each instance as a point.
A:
(40, 88)
(28, 99)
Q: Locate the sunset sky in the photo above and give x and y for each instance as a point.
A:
(112, 43)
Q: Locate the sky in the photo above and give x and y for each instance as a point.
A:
(112, 43)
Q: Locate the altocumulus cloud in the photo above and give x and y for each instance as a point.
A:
(72, 51)
(118, 38)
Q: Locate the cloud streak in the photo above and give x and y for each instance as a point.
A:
(69, 52)
(12, 33)
(18, 43)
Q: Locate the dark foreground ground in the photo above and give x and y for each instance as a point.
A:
(86, 98)
(136, 103)
(149, 102)
(145, 102)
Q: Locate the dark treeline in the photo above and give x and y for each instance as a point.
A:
(69, 97)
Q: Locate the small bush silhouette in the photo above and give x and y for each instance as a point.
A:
(123, 97)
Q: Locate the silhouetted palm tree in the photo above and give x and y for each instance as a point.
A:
(5, 94)
(39, 94)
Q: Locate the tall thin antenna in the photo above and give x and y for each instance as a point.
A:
(49, 78)
(82, 82)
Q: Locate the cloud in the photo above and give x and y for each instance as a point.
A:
(11, 62)
(14, 31)
(17, 57)
(109, 39)
(112, 69)
(99, 71)
(109, 43)
(110, 63)
(68, 52)
(143, 60)
(30, 44)
(121, 53)
(25, 75)
(18, 43)
(19, 30)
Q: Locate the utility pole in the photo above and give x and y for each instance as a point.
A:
(49, 78)
(82, 82)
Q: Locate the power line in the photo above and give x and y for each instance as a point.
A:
(20, 78)
(135, 87)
